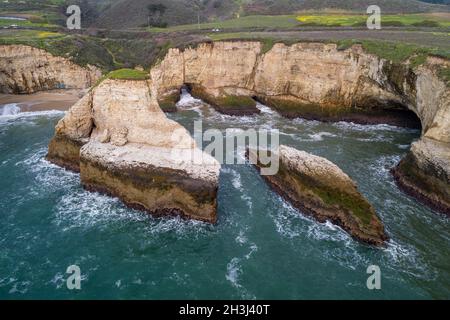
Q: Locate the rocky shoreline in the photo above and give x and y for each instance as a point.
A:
(65, 152)
(310, 80)
(293, 110)
(319, 81)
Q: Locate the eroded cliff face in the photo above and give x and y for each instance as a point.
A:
(122, 144)
(425, 172)
(318, 81)
(307, 74)
(25, 69)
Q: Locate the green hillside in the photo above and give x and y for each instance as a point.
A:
(178, 12)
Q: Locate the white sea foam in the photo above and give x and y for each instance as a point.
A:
(348, 253)
(235, 178)
(20, 287)
(58, 280)
(234, 271)
(79, 208)
(382, 166)
(47, 176)
(241, 238)
(27, 116)
(320, 135)
(405, 259)
(303, 122)
(284, 219)
(377, 138)
(265, 109)
(253, 249)
(83, 209)
(295, 226)
(328, 231)
(371, 127)
(13, 113)
(231, 121)
(293, 135)
(9, 109)
(236, 181)
(187, 100)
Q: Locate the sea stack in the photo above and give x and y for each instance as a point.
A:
(123, 145)
(321, 189)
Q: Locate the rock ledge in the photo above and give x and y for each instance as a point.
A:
(319, 188)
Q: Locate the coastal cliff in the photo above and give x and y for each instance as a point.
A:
(320, 81)
(123, 145)
(25, 69)
(310, 80)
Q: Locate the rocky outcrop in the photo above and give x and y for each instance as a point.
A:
(425, 172)
(152, 178)
(319, 188)
(25, 69)
(311, 80)
(319, 81)
(123, 145)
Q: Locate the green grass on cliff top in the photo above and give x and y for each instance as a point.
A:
(353, 20)
(123, 74)
(397, 52)
(256, 21)
(127, 74)
(394, 51)
(323, 20)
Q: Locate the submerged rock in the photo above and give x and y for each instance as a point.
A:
(319, 188)
(125, 146)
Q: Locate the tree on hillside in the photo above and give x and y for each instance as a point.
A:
(155, 13)
(198, 6)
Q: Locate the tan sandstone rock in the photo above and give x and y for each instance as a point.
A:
(319, 81)
(124, 145)
(26, 69)
(321, 189)
(312, 80)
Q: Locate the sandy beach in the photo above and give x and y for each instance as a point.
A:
(46, 100)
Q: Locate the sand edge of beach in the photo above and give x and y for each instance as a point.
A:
(45, 100)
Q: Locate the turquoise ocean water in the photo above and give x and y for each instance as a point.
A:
(261, 248)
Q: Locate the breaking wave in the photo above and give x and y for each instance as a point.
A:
(9, 109)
